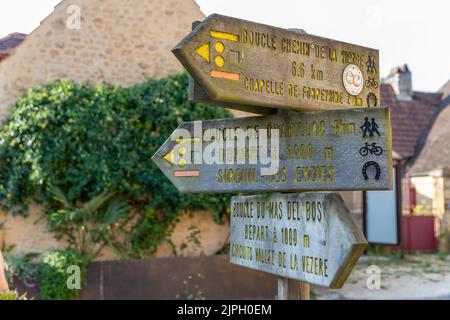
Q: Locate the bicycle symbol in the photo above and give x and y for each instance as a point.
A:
(372, 148)
(371, 82)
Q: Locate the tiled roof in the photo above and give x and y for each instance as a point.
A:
(10, 42)
(410, 119)
(435, 153)
(445, 90)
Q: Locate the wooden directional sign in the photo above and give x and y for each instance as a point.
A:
(197, 94)
(327, 150)
(310, 237)
(245, 63)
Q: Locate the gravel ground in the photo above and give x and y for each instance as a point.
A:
(415, 277)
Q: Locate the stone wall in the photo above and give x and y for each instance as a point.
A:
(119, 41)
(193, 234)
(27, 234)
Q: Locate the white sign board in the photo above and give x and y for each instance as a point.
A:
(310, 237)
(381, 220)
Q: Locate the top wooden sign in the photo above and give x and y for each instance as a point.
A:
(247, 63)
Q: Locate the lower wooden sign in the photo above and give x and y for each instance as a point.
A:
(310, 237)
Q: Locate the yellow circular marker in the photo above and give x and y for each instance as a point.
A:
(220, 61)
(219, 47)
(182, 163)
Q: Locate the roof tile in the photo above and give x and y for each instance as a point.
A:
(435, 153)
(10, 42)
(410, 119)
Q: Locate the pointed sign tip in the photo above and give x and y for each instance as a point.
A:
(203, 51)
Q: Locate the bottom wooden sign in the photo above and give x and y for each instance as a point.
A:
(310, 237)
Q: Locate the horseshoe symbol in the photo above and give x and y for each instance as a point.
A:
(371, 99)
(368, 164)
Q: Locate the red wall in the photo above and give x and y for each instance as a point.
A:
(418, 233)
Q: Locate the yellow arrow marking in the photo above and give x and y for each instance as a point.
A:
(183, 140)
(203, 51)
(224, 35)
(170, 156)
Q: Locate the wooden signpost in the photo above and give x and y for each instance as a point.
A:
(310, 237)
(240, 63)
(304, 238)
(332, 150)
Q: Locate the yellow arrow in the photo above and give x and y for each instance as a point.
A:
(170, 156)
(203, 50)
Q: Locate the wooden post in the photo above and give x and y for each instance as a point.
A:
(214, 86)
(289, 289)
(283, 288)
(304, 292)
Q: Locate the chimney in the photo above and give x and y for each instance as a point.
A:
(401, 81)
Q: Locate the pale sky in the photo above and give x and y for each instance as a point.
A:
(415, 32)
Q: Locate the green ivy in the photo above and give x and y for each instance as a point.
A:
(54, 273)
(88, 140)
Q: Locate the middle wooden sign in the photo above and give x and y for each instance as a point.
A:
(325, 150)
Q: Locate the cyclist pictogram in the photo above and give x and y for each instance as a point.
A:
(371, 82)
(371, 148)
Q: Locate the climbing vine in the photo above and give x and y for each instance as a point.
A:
(90, 140)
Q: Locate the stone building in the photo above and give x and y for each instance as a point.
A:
(430, 170)
(412, 115)
(116, 41)
(122, 42)
(8, 43)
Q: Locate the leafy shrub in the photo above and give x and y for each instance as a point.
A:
(88, 227)
(12, 295)
(90, 140)
(23, 267)
(53, 274)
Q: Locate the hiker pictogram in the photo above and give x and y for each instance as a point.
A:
(369, 127)
(371, 65)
